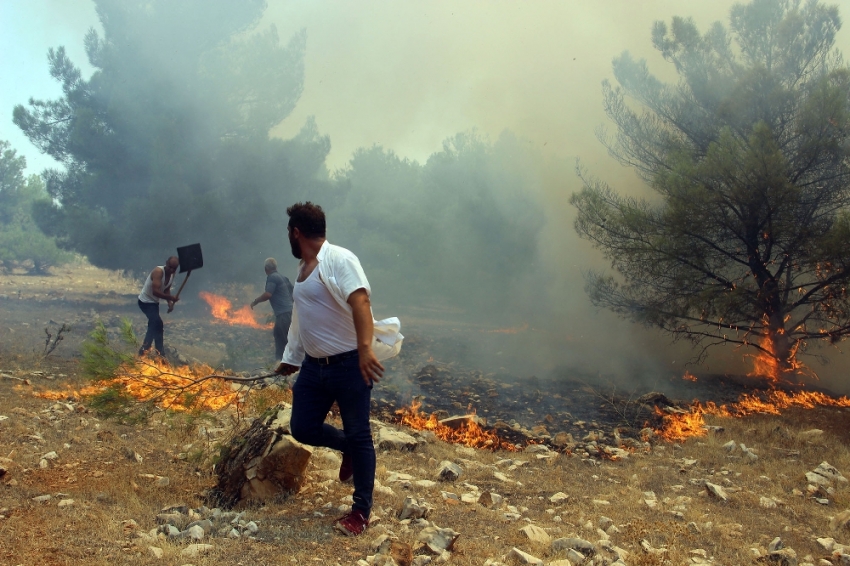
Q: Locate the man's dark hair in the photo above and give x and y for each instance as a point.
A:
(309, 218)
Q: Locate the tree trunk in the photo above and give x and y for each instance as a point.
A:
(262, 463)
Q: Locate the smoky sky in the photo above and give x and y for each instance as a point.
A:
(409, 75)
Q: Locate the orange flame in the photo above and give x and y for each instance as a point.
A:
(468, 433)
(689, 376)
(766, 364)
(168, 387)
(221, 310)
(678, 424)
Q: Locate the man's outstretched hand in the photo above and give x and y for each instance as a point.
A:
(285, 369)
(370, 368)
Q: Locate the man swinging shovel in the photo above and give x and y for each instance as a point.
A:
(190, 258)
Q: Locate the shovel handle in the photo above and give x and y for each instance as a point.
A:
(180, 290)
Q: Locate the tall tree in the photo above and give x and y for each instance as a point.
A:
(461, 230)
(182, 98)
(749, 155)
(20, 239)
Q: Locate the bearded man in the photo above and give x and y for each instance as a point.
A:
(335, 343)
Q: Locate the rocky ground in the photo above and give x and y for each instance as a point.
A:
(78, 487)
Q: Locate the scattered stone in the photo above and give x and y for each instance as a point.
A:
(437, 539)
(413, 508)
(829, 472)
(524, 557)
(195, 550)
(586, 548)
(536, 534)
(559, 497)
(390, 439)
(716, 491)
(448, 471)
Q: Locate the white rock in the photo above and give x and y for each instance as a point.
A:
(449, 471)
(828, 471)
(195, 532)
(817, 479)
(155, 551)
(195, 550)
(716, 491)
(66, 503)
(559, 497)
(525, 558)
(389, 439)
(438, 539)
(536, 534)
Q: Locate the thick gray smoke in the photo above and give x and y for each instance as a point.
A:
(440, 138)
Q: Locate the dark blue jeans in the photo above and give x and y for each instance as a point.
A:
(315, 390)
(155, 327)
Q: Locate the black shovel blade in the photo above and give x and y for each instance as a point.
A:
(190, 257)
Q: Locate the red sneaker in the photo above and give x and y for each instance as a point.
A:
(346, 469)
(352, 524)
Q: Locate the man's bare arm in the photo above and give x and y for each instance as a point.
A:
(156, 286)
(361, 310)
(264, 297)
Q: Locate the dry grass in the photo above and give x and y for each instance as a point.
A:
(108, 488)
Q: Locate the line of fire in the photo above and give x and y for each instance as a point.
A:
(200, 387)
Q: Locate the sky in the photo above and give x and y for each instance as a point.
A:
(408, 75)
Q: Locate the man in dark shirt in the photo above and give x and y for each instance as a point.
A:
(279, 294)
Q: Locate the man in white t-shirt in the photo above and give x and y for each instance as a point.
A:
(331, 338)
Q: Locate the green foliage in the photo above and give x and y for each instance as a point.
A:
(101, 357)
(750, 157)
(167, 142)
(20, 238)
(115, 403)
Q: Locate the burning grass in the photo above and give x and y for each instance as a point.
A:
(154, 381)
(468, 433)
(679, 425)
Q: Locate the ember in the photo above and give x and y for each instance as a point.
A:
(680, 424)
(221, 311)
(468, 433)
(184, 388)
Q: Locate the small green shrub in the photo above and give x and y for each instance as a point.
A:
(101, 358)
(115, 403)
